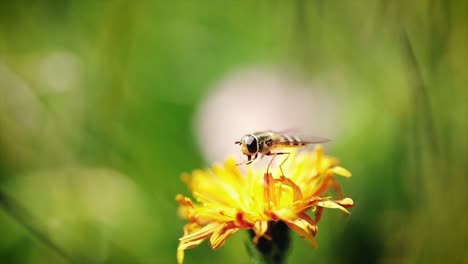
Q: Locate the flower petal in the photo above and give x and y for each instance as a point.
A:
(286, 214)
(341, 171)
(296, 190)
(269, 191)
(333, 205)
(194, 239)
(185, 201)
(260, 227)
(304, 229)
(222, 234)
(346, 202)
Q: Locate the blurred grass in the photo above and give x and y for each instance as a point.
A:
(142, 68)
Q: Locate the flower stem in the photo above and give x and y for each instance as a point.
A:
(274, 250)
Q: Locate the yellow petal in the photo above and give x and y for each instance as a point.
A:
(194, 239)
(286, 214)
(221, 235)
(296, 190)
(304, 229)
(198, 235)
(260, 227)
(180, 256)
(185, 201)
(346, 201)
(333, 205)
(341, 171)
(269, 191)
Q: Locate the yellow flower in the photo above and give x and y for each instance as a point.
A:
(229, 200)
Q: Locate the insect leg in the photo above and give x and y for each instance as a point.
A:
(274, 156)
(248, 161)
(269, 163)
(281, 165)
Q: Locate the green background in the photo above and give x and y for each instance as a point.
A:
(89, 173)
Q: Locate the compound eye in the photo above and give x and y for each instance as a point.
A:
(252, 144)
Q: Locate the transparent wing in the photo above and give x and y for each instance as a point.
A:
(306, 139)
(313, 139)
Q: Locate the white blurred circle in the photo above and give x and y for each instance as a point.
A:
(259, 99)
(60, 70)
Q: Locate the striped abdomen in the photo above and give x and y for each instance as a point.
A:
(288, 140)
(269, 140)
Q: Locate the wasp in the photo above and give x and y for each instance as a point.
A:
(266, 143)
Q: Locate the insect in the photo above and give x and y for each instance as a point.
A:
(265, 143)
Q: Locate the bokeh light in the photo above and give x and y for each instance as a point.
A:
(104, 104)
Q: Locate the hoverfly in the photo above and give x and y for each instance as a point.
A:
(265, 142)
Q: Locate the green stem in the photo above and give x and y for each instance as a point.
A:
(274, 250)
